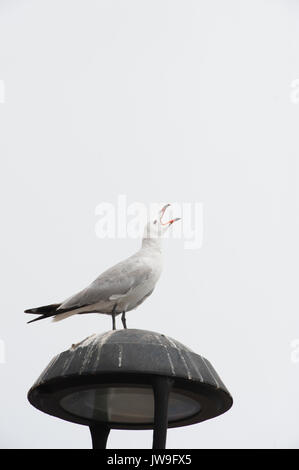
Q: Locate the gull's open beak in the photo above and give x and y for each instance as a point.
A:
(174, 220)
(162, 213)
(163, 210)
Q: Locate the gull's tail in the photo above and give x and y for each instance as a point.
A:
(44, 311)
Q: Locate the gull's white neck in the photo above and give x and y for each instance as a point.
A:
(152, 243)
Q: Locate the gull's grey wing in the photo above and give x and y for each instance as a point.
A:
(111, 284)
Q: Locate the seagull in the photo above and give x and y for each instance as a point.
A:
(121, 288)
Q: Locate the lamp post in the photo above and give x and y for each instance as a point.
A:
(130, 379)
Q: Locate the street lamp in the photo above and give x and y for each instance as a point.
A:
(130, 379)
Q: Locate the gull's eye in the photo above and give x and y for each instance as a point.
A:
(155, 222)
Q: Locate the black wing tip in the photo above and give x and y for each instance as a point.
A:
(36, 319)
(45, 309)
(30, 310)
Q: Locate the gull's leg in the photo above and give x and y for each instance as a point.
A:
(113, 317)
(123, 319)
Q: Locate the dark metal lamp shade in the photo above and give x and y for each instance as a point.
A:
(130, 379)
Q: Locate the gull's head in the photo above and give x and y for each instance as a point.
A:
(156, 228)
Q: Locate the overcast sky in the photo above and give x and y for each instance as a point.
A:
(173, 101)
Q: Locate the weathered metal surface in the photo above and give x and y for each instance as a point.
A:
(131, 351)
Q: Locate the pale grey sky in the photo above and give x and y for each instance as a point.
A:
(187, 101)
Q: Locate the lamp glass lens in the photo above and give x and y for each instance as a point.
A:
(126, 405)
